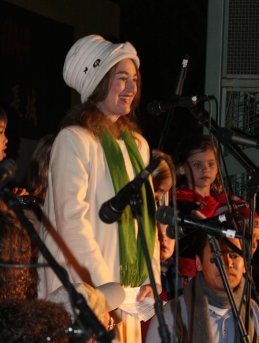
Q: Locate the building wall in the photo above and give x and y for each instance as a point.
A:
(86, 16)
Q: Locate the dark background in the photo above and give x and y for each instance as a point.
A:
(33, 92)
(163, 32)
(36, 98)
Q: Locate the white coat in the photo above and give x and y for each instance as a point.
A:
(79, 183)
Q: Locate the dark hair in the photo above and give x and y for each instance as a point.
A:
(3, 114)
(15, 248)
(88, 115)
(33, 321)
(200, 241)
(38, 172)
(197, 143)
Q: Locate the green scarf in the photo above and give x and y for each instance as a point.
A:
(133, 265)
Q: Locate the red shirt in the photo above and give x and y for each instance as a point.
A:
(188, 200)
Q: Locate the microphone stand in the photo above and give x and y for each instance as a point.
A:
(217, 260)
(158, 305)
(253, 172)
(252, 190)
(86, 319)
(203, 116)
(178, 91)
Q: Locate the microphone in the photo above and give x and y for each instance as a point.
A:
(230, 136)
(112, 209)
(156, 107)
(221, 218)
(165, 215)
(8, 170)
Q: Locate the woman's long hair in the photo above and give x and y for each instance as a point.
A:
(89, 116)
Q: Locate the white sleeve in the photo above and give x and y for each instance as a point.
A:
(70, 174)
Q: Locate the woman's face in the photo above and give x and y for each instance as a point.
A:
(3, 139)
(122, 90)
(255, 239)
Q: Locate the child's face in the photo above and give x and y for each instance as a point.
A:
(255, 239)
(201, 169)
(3, 139)
(166, 244)
(233, 266)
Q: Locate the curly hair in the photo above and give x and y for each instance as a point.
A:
(33, 321)
(15, 248)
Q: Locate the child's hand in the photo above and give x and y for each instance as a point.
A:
(197, 214)
(145, 291)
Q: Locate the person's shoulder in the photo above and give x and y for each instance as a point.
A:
(75, 130)
(138, 136)
(255, 306)
(185, 193)
(255, 315)
(73, 139)
(74, 133)
(168, 310)
(170, 305)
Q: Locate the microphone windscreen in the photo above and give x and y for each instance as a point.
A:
(165, 215)
(108, 213)
(186, 207)
(114, 294)
(170, 231)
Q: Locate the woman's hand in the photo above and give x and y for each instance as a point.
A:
(197, 214)
(145, 291)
